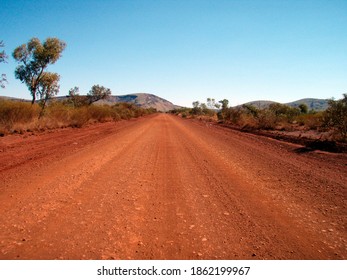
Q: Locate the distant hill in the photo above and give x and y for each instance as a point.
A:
(14, 99)
(312, 103)
(144, 100)
(260, 104)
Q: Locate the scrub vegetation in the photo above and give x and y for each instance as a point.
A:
(20, 117)
(278, 117)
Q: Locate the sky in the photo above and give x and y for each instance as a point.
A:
(187, 50)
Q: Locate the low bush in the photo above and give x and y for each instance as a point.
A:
(311, 120)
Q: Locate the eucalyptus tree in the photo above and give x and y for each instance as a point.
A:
(47, 88)
(34, 58)
(98, 92)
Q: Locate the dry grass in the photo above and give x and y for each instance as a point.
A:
(16, 115)
(20, 117)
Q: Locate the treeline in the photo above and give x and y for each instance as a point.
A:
(44, 112)
(275, 117)
(20, 117)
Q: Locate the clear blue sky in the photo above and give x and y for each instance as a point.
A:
(187, 50)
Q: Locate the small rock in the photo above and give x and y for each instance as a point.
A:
(204, 239)
(226, 213)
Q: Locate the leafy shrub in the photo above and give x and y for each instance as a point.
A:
(310, 121)
(283, 113)
(266, 119)
(233, 115)
(335, 117)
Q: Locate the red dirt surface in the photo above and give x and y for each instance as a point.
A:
(162, 187)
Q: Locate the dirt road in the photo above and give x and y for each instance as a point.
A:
(162, 187)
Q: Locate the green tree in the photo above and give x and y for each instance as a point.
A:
(223, 113)
(74, 91)
(279, 109)
(283, 112)
(225, 103)
(3, 58)
(303, 108)
(76, 99)
(34, 58)
(205, 109)
(47, 88)
(250, 109)
(211, 103)
(98, 92)
(196, 104)
(196, 108)
(335, 116)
